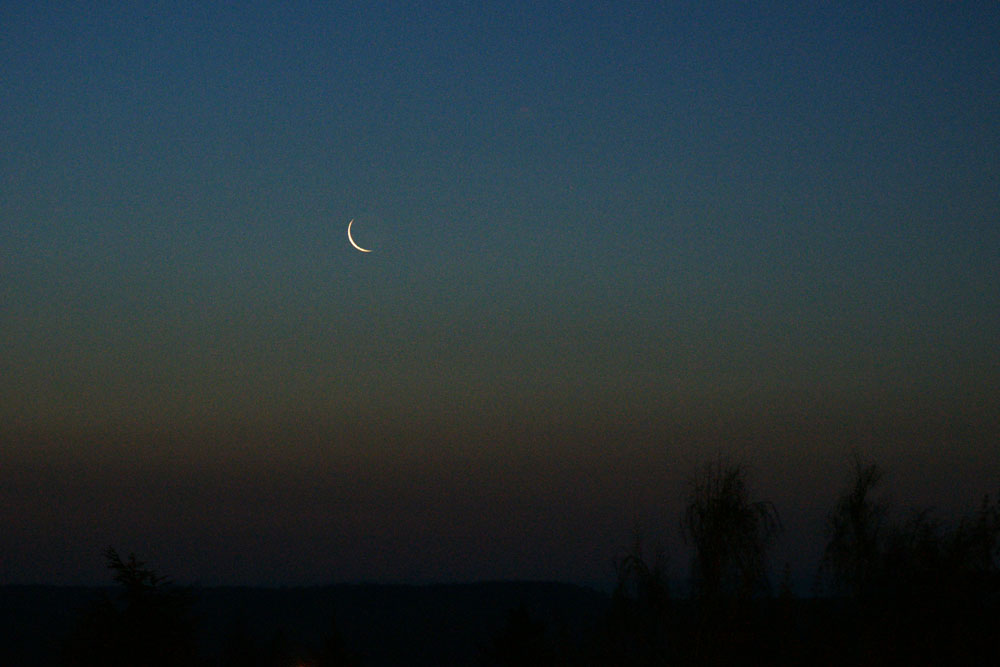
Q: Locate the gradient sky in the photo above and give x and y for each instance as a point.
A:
(610, 241)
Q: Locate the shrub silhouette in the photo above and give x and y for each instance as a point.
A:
(147, 623)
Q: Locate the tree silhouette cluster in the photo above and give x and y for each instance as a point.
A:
(730, 534)
(892, 586)
(913, 585)
(889, 587)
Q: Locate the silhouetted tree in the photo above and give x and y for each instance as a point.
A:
(639, 581)
(640, 604)
(977, 539)
(730, 533)
(147, 624)
(855, 528)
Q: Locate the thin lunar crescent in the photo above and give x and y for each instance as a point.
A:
(351, 238)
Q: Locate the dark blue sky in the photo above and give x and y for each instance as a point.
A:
(608, 240)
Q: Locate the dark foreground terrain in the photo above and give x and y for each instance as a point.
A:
(373, 624)
(506, 623)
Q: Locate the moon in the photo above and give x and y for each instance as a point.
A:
(351, 238)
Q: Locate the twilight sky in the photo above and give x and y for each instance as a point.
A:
(610, 241)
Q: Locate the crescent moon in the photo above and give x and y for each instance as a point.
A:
(351, 238)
